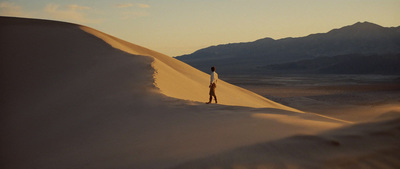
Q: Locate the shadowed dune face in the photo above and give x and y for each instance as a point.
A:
(65, 95)
(37, 69)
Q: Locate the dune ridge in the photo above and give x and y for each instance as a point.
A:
(179, 80)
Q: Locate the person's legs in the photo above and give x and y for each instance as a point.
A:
(212, 93)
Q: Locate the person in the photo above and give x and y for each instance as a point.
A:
(213, 85)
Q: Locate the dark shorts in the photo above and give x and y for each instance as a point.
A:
(212, 89)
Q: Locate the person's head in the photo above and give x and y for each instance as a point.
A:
(213, 69)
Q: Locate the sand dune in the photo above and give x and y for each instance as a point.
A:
(74, 97)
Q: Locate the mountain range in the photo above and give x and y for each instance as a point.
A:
(370, 46)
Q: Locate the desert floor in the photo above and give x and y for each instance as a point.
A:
(355, 98)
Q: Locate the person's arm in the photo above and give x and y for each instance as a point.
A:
(212, 78)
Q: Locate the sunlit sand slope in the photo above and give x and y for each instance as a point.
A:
(179, 80)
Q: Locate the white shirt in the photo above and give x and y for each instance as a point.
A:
(214, 77)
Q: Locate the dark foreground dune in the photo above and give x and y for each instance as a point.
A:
(368, 145)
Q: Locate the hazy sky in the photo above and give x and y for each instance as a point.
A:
(176, 27)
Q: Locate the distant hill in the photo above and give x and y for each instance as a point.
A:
(360, 39)
(344, 64)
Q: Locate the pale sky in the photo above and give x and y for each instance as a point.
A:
(176, 27)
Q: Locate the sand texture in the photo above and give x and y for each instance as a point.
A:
(74, 97)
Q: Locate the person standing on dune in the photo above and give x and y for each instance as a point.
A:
(213, 85)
